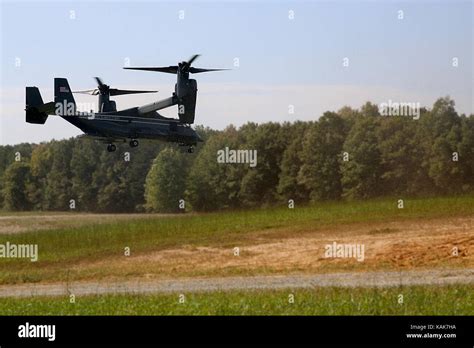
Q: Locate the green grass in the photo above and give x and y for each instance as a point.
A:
(164, 232)
(417, 300)
(61, 248)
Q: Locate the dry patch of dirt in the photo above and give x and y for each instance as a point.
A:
(398, 245)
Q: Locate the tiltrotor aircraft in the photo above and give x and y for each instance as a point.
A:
(141, 122)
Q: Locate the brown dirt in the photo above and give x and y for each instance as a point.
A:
(400, 245)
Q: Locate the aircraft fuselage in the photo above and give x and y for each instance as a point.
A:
(122, 125)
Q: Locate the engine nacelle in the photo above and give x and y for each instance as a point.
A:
(187, 95)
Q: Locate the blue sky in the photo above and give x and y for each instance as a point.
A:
(282, 62)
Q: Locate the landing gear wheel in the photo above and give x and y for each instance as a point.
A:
(133, 143)
(111, 147)
(191, 150)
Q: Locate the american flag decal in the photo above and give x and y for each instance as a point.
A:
(63, 90)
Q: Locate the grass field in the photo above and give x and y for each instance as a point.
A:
(95, 249)
(417, 300)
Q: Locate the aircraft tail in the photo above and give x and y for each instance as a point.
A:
(36, 111)
(63, 98)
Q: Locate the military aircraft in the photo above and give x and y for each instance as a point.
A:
(141, 122)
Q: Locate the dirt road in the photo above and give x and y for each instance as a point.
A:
(361, 279)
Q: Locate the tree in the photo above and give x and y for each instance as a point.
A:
(84, 163)
(289, 187)
(321, 156)
(361, 174)
(443, 128)
(109, 180)
(165, 182)
(212, 185)
(40, 163)
(6, 159)
(16, 181)
(57, 192)
(466, 153)
(8, 154)
(401, 154)
(301, 161)
(259, 184)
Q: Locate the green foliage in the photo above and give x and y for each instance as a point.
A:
(361, 174)
(16, 183)
(401, 150)
(9, 154)
(302, 161)
(289, 187)
(321, 155)
(165, 182)
(212, 185)
(259, 184)
(58, 179)
(466, 153)
(84, 163)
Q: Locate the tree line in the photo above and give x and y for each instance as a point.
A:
(348, 154)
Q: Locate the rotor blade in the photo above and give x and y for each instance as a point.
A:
(200, 70)
(192, 59)
(88, 91)
(165, 69)
(115, 91)
(99, 81)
